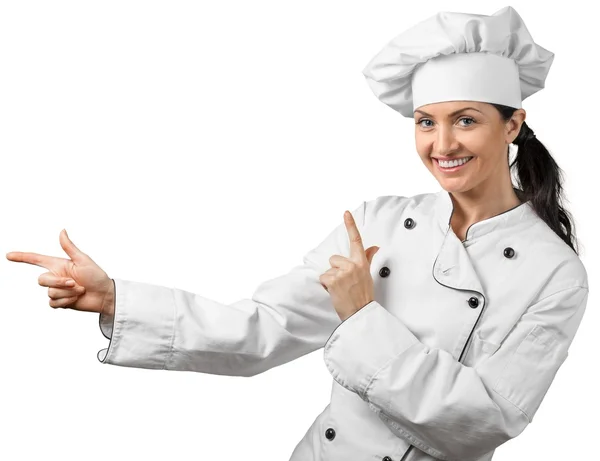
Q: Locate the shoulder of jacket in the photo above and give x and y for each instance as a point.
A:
(548, 252)
(398, 203)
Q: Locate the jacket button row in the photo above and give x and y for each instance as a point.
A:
(473, 302)
(384, 271)
(386, 458)
(409, 223)
(509, 252)
(330, 433)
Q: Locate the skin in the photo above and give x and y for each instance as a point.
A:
(482, 188)
(91, 291)
(348, 281)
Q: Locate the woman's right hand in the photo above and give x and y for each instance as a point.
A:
(93, 290)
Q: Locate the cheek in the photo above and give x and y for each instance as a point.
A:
(423, 149)
(489, 160)
(426, 159)
(420, 141)
(483, 143)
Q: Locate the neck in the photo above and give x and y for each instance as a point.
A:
(480, 203)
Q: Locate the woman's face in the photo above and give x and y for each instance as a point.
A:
(462, 129)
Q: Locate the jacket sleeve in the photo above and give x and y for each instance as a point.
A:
(157, 327)
(449, 410)
(106, 327)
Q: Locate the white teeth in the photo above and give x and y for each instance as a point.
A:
(453, 163)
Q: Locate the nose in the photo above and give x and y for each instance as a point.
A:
(445, 142)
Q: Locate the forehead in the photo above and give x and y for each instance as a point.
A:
(449, 108)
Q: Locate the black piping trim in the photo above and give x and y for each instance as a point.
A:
(114, 306)
(100, 325)
(406, 453)
(462, 289)
(517, 191)
(404, 457)
(113, 323)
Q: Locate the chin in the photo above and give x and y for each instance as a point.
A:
(455, 186)
(456, 182)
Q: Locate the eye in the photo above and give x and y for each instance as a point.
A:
(423, 120)
(468, 118)
(419, 123)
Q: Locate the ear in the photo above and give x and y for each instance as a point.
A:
(513, 126)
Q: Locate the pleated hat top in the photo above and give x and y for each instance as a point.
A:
(459, 56)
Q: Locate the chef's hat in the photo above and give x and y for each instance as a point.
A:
(459, 56)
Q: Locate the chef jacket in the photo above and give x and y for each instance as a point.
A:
(451, 358)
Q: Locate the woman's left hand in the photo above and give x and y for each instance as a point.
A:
(349, 281)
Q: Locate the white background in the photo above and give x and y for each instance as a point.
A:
(208, 146)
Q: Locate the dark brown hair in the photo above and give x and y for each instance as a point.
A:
(540, 180)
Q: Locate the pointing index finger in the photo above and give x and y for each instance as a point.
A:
(32, 258)
(356, 245)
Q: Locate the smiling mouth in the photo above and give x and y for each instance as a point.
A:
(453, 167)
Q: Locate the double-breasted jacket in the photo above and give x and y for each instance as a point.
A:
(451, 358)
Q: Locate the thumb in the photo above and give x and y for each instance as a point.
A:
(65, 242)
(370, 252)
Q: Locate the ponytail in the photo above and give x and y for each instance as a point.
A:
(540, 180)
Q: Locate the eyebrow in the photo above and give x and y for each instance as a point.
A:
(453, 113)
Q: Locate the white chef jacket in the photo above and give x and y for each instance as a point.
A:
(451, 359)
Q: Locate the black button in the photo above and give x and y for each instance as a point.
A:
(386, 458)
(384, 271)
(473, 302)
(330, 433)
(509, 252)
(409, 223)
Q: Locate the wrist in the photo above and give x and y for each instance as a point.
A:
(108, 302)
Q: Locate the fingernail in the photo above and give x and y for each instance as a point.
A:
(70, 283)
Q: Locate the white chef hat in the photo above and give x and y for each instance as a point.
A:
(459, 56)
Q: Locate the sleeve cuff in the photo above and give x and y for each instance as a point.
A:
(141, 331)
(365, 343)
(106, 327)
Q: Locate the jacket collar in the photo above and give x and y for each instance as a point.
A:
(444, 208)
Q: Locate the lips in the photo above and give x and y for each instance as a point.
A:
(454, 168)
(449, 159)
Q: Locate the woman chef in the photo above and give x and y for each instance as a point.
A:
(444, 316)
